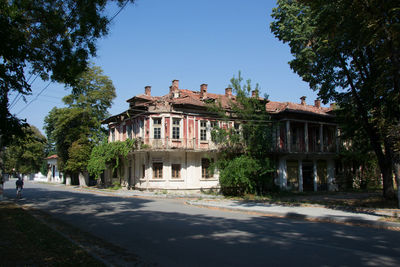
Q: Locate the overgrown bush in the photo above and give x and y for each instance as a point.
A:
(239, 176)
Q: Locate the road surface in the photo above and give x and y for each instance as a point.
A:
(169, 233)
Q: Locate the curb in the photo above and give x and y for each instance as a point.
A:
(132, 193)
(297, 216)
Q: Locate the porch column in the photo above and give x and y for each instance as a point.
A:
(130, 171)
(300, 175)
(306, 135)
(321, 137)
(282, 173)
(331, 174)
(288, 135)
(315, 175)
(278, 136)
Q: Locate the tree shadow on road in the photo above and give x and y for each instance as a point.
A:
(170, 233)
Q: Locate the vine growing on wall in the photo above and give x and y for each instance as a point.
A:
(109, 155)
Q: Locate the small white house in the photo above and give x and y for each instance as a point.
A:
(53, 174)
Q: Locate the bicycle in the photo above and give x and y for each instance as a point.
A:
(19, 193)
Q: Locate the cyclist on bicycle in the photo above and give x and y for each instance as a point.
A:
(19, 185)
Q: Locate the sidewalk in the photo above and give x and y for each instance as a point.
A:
(304, 212)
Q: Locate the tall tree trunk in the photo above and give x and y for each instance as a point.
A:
(396, 170)
(383, 156)
(387, 176)
(390, 159)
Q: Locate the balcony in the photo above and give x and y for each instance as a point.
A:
(295, 137)
(182, 143)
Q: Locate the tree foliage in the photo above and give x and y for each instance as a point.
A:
(108, 154)
(249, 143)
(348, 51)
(52, 39)
(25, 154)
(75, 129)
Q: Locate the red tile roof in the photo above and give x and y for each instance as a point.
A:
(194, 98)
(278, 107)
(52, 157)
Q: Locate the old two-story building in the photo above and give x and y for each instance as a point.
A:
(176, 148)
(306, 145)
(174, 132)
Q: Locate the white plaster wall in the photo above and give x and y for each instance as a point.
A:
(190, 171)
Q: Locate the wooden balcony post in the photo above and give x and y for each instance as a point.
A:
(288, 136)
(321, 138)
(306, 135)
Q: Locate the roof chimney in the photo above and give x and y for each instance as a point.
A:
(317, 103)
(203, 91)
(175, 84)
(303, 100)
(147, 90)
(228, 92)
(254, 93)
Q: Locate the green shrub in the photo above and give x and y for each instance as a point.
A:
(238, 176)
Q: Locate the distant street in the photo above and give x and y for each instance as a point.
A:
(169, 233)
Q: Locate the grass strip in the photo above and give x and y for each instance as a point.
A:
(27, 241)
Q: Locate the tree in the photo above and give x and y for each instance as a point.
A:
(47, 38)
(244, 160)
(348, 51)
(25, 154)
(75, 129)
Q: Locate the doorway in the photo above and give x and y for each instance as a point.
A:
(308, 179)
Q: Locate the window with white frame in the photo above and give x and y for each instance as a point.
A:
(141, 128)
(203, 130)
(176, 129)
(237, 128)
(157, 170)
(129, 131)
(112, 134)
(121, 132)
(157, 128)
(206, 169)
(176, 171)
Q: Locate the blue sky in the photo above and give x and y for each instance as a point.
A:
(153, 42)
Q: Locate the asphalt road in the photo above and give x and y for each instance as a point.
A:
(169, 233)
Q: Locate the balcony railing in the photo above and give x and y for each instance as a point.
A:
(313, 147)
(181, 143)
